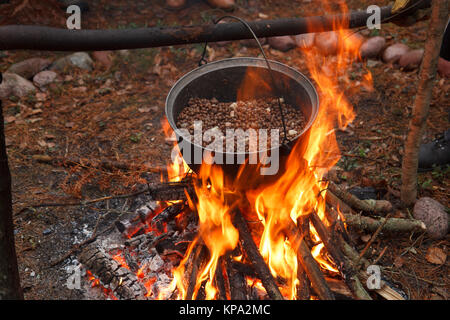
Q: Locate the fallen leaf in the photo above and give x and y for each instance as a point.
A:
(398, 262)
(10, 119)
(69, 124)
(436, 255)
(144, 110)
(41, 96)
(8, 142)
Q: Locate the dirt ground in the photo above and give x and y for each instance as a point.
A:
(116, 114)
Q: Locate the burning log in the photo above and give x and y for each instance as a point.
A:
(339, 288)
(224, 290)
(167, 215)
(238, 284)
(304, 286)
(308, 263)
(122, 282)
(171, 191)
(348, 272)
(260, 267)
(364, 205)
(194, 263)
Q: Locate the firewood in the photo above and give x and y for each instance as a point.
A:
(348, 272)
(310, 265)
(364, 205)
(106, 164)
(392, 225)
(123, 283)
(193, 265)
(304, 286)
(220, 280)
(167, 215)
(360, 263)
(258, 263)
(339, 288)
(238, 284)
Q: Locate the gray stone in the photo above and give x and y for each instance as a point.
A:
(44, 78)
(81, 60)
(327, 42)
(15, 85)
(283, 43)
(393, 53)
(29, 67)
(433, 214)
(411, 60)
(304, 41)
(372, 47)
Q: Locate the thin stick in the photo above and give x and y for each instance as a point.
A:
(374, 236)
(168, 191)
(364, 205)
(257, 260)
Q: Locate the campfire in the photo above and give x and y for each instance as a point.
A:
(202, 236)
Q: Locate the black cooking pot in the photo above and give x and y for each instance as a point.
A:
(222, 80)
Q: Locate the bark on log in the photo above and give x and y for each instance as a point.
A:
(364, 205)
(310, 265)
(361, 264)
(123, 283)
(255, 257)
(45, 38)
(392, 225)
(9, 273)
(427, 75)
(348, 272)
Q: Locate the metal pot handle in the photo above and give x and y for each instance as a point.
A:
(203, 61)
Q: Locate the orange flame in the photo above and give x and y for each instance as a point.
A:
(292, 196)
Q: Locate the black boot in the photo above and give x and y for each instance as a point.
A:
(435, 153)
(82, 4)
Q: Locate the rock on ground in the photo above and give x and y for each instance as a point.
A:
(327, 42)
(372, 47)
(444, 68)
(283, 43)
(175, 4)
(29, 67)
(81, 60)
(103, 58)
(15, 85)
(222, 4)
(433, 214)
(393, 53)
(411, 60)
(44, 78)
(304, 41)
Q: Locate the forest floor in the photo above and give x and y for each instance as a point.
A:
(116, 114)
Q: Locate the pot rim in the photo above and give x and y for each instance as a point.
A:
(242, 62)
